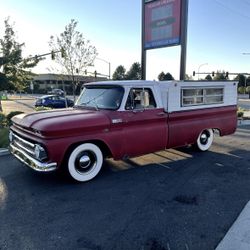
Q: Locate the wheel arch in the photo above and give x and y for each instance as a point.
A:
(101, 144)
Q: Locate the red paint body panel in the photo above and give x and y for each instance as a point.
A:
(144, 131)
(185, 126)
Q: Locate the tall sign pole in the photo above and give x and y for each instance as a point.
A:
(143, 51)
(184, 20)
(164, 24)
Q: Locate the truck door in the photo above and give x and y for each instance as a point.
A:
(145, 124)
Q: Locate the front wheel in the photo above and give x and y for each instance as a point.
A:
(85, 162)
(205, 139)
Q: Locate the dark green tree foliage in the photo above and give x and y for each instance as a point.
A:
(15, 71)
(161, 76)
(243, 81)
(209, 78)
(119, 73)
(134, 72)
(220, 75)
(165, 77)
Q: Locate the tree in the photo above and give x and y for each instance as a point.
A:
(119, 73)
(169, 77)
(161, 76)
(189, 78)
(220, 75)
(165, 77)
(242, 80)
(134, 72)
(15, 70)
(76, 52)
(209, 78)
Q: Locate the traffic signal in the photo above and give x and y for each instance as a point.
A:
(63, 53)
(226, 74)
(85, 72)
(213, 74)
(53, 55)
(77, 71)
(95, 73)
(193, 73)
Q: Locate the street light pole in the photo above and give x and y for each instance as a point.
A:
(246, 54)
(199, 69)
(109, 64)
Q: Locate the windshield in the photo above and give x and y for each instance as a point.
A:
(101, 97)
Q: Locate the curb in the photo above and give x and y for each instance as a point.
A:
(238, 235)
(24, 104)
(4, 151)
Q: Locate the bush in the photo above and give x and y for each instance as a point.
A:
(4, 137)
(3, 120)
(241, 90)
(248, 89)
(240, 112)
(12, 114)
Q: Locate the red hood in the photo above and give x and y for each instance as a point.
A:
(63, 121)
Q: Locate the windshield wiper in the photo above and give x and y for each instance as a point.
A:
(85, 104)
(94, 100)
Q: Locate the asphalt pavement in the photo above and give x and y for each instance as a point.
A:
(177, 200)
(173, 199)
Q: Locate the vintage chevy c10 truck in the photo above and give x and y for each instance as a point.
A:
(121, 119)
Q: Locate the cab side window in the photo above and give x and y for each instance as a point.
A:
(140, 98)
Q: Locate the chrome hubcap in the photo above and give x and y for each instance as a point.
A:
(85, 161)
(204, 138)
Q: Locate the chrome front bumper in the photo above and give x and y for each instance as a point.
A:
(31, 162)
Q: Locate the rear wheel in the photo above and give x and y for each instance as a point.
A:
(85, 162)
(205, 139)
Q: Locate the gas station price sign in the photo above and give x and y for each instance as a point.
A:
(162, 22)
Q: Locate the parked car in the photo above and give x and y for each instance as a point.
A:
(56, 92)
(53, 101)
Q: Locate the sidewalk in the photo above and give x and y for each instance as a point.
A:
(16, 105)
(238, 236)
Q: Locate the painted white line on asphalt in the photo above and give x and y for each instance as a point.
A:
(238, 236)
(162, 165)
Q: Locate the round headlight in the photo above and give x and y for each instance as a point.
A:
(40, 152)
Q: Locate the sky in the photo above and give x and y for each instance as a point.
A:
(218, 33)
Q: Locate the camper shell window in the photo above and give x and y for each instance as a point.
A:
(201, 96)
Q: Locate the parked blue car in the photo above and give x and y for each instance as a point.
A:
(53, 101)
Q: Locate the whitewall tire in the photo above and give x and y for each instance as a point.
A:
(85, 162)
(205, 140)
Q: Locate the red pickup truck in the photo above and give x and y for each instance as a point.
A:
(122, 119)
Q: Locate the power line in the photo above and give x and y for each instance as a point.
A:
(232, 10)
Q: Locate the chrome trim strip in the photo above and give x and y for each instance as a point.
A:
(31, 162)
(24, 141)
(25, 149)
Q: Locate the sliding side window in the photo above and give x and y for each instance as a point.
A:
(201, 96)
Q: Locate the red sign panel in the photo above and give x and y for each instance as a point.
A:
(162, 23)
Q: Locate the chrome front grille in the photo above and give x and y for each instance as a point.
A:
(22, 144)
(33, 155)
